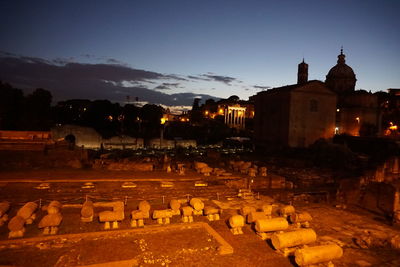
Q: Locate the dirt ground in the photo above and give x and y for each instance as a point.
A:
(364, 237)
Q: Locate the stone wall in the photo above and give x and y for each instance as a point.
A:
(84, 136)
(25, 135)
(89, 138)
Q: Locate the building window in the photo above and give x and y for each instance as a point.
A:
(313, 105)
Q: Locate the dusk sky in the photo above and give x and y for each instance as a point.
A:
(218, 48)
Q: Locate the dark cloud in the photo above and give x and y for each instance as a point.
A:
(62, 61)
(167, 86)
(224, 79)
(210, 76)
(67, 80)
(175, 77)
(88, 56)
(262, 87)
(162, 87)
(4, 53)
(198, 78)
(115, 61)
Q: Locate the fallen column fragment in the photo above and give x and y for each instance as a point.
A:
(301, 219)
(175, 206)
(245, 210)
(4, 207)
(114, 216)
(16, 227)
(212, 213)
(317, 254)
(284, 242)
(25, 215)
(286, 211)
(267, 209)
(144, 205)
(255, 215)
(28, 212)
(52, 220)
(236, 223)
(162, 216)
(265, 226)
(139, 215)
(197, 205)
(87, 211)
(187, 214)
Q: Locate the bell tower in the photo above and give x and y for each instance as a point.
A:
(302, 73)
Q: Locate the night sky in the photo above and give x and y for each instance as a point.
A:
(155, 49)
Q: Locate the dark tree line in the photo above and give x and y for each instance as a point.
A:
(110, 119)
(35, 112)
(19, 112)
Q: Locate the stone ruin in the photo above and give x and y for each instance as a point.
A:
(4, 207)
(138, 216)
(114, 216)
(25, 215)
(290, 232)
(52, 220)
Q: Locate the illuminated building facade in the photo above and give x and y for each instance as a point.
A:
(235, 117)
(233, 113)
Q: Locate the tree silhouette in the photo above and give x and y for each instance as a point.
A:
(151, 118)
(233, 98)
(36, 111)
(11, 103)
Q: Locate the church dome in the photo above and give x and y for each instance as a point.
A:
(341, 77)
(341, 71)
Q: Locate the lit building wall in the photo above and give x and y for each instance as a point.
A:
(356, 111)
(271, 123)
(295, 115)
(312, 115)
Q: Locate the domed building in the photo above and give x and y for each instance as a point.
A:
(357, 111)
(341, 78)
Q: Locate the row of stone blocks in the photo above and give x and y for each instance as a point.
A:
(50, 222)
(195, 207)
